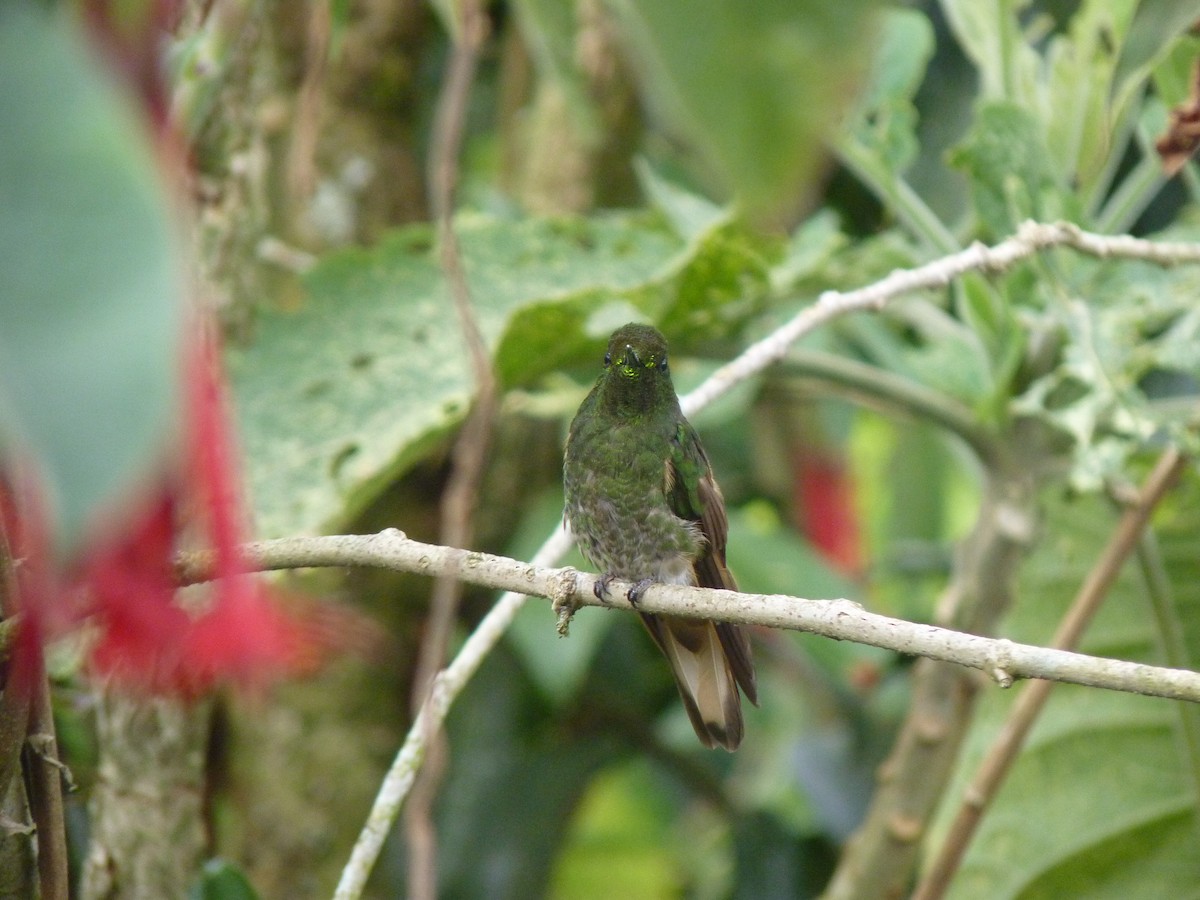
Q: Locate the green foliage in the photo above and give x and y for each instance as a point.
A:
(620, 841)
(342, 395)
(222, 880)
(1008, 164)
(90, 273)
(751, 86)
(1051, 830)
(886, 119)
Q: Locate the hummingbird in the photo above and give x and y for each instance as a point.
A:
(644, 506)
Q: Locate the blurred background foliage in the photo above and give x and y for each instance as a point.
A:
(710, 167)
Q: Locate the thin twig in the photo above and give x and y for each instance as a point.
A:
(302, 154)
(1173, 645)
(1031, 238)
(14, 702)
(840, 619)
(470, 448)
(446, 687)
(999, 759)
(46, 794)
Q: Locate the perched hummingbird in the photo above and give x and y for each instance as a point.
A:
(644, 507)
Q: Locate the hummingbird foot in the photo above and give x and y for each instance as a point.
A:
(600, 588)
(635, 592)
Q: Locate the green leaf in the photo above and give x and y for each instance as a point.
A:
(619, 843)
(920, 341)
(1072, 98)
(1129, 326)
(222, 880)
(992, 323)
(886, 119)
(988, 32)
(1101, 802)
(689, 214)
(1156, 25)
(1006, 158)
(708, 290)
(90, 272)
(339, 396)
(1173, 77)
(751, 86)
(812, 244)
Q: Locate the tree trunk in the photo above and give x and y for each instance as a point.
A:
(147, 839)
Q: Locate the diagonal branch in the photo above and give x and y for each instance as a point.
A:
(1031, 238)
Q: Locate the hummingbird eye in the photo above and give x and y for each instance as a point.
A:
(662, 363)
(607, 360)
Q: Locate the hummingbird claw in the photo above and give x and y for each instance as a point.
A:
(635, 593)
(600, 588)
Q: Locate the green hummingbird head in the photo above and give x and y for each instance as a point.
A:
(636, 375)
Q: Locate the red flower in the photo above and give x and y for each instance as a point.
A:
(232, 630)
(239, 632)
(825, 496)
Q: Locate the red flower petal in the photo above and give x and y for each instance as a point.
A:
(825, 496)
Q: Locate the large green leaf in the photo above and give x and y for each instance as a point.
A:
(885, 122)
(1156, 25)
(989, 34)
(751, 85)
(90, 273)
(1101, 802)
(340, 395)
(343, 393)
(1009, 165)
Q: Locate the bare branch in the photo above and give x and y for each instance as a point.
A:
(1031, 238)
(839, 619)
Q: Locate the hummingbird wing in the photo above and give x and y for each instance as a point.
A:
(709, 660)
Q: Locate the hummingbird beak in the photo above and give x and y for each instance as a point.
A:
(631, 358)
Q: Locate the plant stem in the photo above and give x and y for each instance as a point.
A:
(839, 619)
(883, 390)
(470, 448)
(896, 194)
(1132, 196)
(1173, 642)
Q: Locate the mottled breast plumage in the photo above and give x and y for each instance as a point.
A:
(617, 503)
